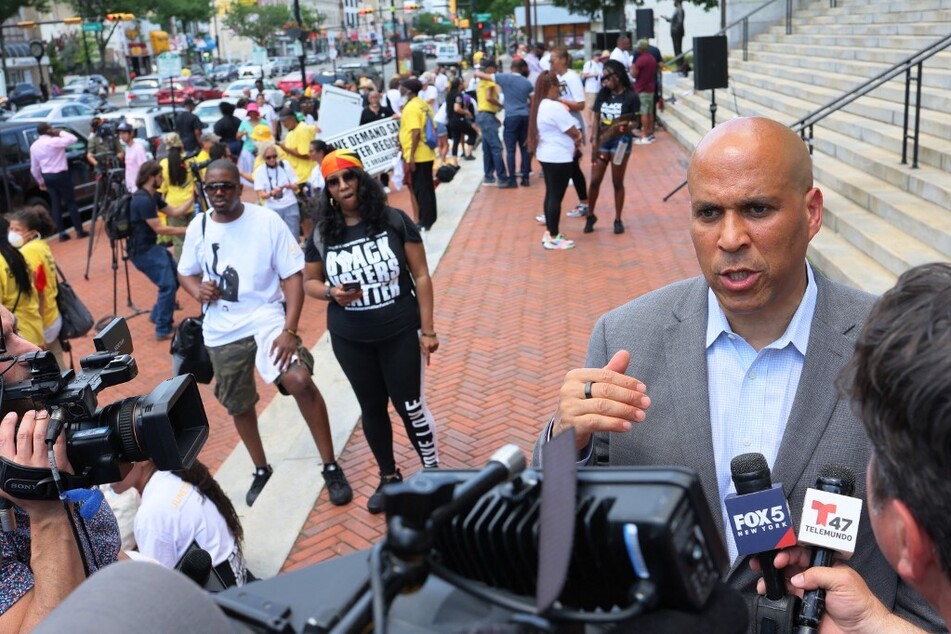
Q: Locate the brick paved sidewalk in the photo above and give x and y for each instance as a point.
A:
(512, 319)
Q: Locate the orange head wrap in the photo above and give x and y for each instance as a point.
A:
(339, 160)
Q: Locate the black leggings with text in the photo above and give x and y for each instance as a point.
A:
(383, 371)
(557, 176)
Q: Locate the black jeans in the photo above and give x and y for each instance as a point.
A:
(556, 182)
(577, 177)
(425, 192)
(60, 188)
(457, 130)
(389, 370)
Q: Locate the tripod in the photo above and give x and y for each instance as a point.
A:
(109, 190)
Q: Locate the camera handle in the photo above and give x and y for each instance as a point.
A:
(416, 510)
(33, 483)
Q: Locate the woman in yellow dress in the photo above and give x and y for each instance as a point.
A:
(28, 225)
(178, 187)
(17, 292)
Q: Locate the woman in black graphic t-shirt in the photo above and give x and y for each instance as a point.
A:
(612, 138)
(368, 261)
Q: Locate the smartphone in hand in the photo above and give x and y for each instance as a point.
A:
(351, 286)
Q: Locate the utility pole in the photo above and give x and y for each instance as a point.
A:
(300, 40)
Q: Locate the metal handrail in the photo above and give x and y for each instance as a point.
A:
(805, 125)
(746, 30)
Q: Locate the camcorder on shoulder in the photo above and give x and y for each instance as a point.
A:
(167, 426)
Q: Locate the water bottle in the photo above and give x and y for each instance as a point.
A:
(621, 151)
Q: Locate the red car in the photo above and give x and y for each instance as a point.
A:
(196, 87)
(292, 80)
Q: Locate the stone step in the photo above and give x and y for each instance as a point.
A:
(909, 43)
(841, 262)
(930, 183)
(872, 7)
(933, 98)
(877, 55)
(933, 77)
(890, 24)
(846, 19)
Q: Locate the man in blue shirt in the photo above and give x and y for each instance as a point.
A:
(517, 90)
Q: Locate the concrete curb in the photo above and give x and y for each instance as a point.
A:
(271, 527)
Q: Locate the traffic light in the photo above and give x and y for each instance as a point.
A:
(73, 20)
(480, 26)
(119, 17)
(366, 11)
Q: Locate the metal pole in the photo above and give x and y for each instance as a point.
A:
(746, 39)
(396, 40)
(86, 51)
(914, 163)
(788, 17)
(904, 132)
(713, 108)
(301, 58)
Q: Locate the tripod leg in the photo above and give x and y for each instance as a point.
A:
(92, 225)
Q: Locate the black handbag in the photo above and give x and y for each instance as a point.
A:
(189, 345)
(77, 320)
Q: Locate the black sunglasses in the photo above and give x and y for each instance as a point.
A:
(268, 157)
(220, 187)
(347, 177)
(608, 76)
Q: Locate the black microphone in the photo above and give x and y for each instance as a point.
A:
(196, 565)
(830, 523)
(750, 473)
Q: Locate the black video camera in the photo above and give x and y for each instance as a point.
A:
(168, 426)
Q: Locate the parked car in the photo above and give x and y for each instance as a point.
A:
(95, 102)
(250, 69)
(86, 83)
(322, 57)
(209, 112)
(24, 94)
(292, 80)
(223, 73)
(311, 59)
(279, 66)
(195, 86)
(235, 90)
(143, 91)
(378, 56)
(71, 113)
(355, 70)
(150, 124)
(16, 137)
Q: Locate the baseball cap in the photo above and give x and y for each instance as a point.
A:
(188, 101)
(413, 85)
(605, 54)
(125, 126)
(252, 107)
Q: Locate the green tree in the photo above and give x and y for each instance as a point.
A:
(9, 9)
(257, 23)
(164, 11)
(432, 24)
(593, 7)
(97, 10)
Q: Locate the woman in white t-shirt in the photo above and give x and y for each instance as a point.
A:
(276, 185)
(555, 140)
(591, 75)
(183, 508)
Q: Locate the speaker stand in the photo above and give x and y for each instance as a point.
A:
(713, 124)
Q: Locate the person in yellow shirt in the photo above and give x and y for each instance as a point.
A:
(419, 156)
(296, 144)
(178, 188)
(17, 292)
(488, 104)
(28, 225)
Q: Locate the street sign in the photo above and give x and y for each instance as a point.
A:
(92, 27)
(332, 52)
(483, 17)
(169, 65)
(258, 55)
(331, 38)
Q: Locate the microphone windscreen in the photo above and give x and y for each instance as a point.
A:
(841, 473)
(748, 463)
(134, 596)
(196, 565)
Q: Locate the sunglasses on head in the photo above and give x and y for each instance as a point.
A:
(220, 187)
(347, 177)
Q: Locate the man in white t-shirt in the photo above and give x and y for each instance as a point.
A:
(276, 184)
(622, 53)
(591, 75)
(241, 262)
(441, 82)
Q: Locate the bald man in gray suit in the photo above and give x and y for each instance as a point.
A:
(742, 359)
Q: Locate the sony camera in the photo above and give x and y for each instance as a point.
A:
(167, 426)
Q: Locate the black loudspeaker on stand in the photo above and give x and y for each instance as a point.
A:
(645, 24)
(710, 71)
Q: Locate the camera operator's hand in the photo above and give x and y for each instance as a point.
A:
(616, 400)
(209, 292)
(26, 446)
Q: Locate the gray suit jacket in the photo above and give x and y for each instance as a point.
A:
(665, 332)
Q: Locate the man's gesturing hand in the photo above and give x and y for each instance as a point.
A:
(616, 400)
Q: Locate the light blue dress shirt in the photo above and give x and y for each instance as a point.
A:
(751, 393)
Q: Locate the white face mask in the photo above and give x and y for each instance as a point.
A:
(404, 99)
(16, 239)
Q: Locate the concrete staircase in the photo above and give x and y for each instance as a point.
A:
(881, 217)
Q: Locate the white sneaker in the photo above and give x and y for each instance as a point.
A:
(540, 218)
(386, 190)
(578, 212)
(559, 242)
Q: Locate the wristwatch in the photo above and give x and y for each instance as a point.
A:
(330, 298)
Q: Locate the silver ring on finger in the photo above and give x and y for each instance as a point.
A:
(587, 389)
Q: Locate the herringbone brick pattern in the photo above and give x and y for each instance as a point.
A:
(512, 319)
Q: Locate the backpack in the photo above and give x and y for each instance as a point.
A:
(117, 218)
(431, 140)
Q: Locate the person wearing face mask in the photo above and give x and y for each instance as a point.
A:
(28, 225)
(17, 292)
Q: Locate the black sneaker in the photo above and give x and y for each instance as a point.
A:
(507, 184)
(589, 223)
(618, 226)
(524, 182)
(337, 485)
(261, 476)
(375, 503)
